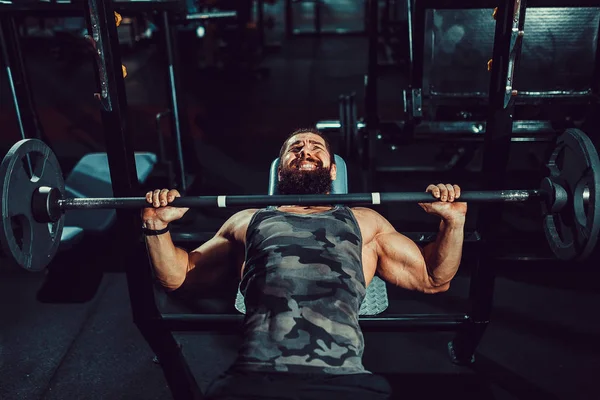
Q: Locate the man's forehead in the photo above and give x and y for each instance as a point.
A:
(310, 137)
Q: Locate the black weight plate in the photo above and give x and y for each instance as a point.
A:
(30, 244)
(572, 232)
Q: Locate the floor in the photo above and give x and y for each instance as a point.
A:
(543, 339)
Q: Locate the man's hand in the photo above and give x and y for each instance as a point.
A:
(159, 214)
(447, 207)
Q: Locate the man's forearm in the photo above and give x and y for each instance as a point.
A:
(170, 263)
(443, 256)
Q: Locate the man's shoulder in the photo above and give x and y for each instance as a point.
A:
(365, 212)
(371, 220)
(243, 217)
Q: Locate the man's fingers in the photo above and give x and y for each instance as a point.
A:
(434, 190)
(451, 193)
(173, 193)
(163, 197)
(443, 191)
(156, 198)
(456, 191)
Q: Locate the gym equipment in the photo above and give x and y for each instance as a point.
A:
(37, 205)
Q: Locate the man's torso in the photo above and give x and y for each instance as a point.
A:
(364, 218)
(303, 282)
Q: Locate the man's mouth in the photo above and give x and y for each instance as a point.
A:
(307, 166)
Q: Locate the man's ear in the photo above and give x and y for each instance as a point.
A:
(333, 172)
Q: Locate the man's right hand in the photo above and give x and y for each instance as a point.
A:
(160, 213)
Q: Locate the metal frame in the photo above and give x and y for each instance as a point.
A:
(113, 101)
(48, 8)
(318, 31)
(18, 80)
(497, 142)
(175, 106)
(417, 15)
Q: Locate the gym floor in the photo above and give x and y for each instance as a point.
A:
(543, 338)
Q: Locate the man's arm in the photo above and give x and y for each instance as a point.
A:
(401, 262)
(443, 256)
(206, 264)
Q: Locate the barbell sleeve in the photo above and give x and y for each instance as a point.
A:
(274, 200)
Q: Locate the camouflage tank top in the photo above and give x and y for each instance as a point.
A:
(303, 285)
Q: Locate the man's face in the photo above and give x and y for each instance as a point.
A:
(305, 166)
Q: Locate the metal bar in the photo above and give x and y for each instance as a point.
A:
(417, 45)
(113, 111)
(260, 9)
(175, 368)
(9, 73)
(289, 19)
(18, 79)
(232, 322)
(74, 8)
(274, 200)
(210, 15)
(174, 100)
(478, 4)
(317, 15)
(596, 74)
(371, 109)
(510, 21)
(368, 157)
(113, 101)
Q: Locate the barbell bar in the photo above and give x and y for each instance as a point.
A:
(275, 200)
(568, 196)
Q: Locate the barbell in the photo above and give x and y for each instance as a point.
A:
(33, 205)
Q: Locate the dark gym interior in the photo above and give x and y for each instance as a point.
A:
(402, 90)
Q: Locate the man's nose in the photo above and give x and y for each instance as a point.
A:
(305, 153)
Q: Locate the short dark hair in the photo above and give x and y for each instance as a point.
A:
(308, 130)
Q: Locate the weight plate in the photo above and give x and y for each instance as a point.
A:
(28, 165)
(572, 232)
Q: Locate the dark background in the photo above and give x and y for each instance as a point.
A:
(542, 341)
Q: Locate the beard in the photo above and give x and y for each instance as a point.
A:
(293, 181)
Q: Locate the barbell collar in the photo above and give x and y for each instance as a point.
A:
(45, 204)
(306, 200)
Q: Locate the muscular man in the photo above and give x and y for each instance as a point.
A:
(304, 273)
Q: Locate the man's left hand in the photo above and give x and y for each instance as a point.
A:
(447, 207)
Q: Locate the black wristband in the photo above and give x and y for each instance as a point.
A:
(152, 232)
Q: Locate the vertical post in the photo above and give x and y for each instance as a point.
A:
(416, 42)
(260, 6)
(592, 119)
(113, 109)
(371, 97)
(174, 105)
(289, 19)
(18, 80)
(344, 126)
(317, 14)
(371, 106)
(506, 54)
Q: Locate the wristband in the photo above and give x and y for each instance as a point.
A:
(152, 232)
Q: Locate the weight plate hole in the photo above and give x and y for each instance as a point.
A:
(52, 229)
(579, 203)
(33, 165)
(17, 224)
